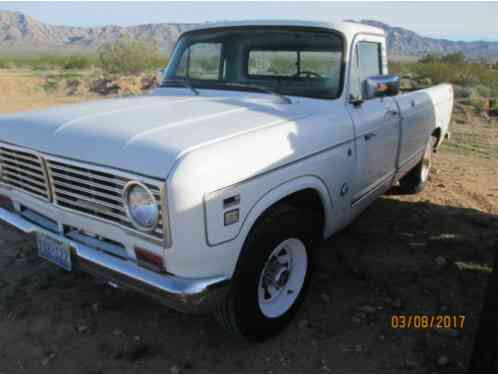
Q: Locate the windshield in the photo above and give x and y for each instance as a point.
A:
(288, 61)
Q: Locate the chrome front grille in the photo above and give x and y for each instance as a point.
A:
(24, 170)
(97, 192)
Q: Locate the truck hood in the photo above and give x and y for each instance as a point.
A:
(147, 134)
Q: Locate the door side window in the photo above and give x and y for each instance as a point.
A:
(366, 63)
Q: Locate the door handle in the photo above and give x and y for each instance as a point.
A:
(369, 136)
(392, 112)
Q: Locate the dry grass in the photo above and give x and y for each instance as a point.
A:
(22, 90)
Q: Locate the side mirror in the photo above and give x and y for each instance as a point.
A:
(380, 86)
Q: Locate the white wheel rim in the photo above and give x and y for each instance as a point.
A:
(282, 278)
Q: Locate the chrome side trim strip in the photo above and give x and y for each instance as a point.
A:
(372, 189)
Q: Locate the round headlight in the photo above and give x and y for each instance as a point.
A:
(141, 206)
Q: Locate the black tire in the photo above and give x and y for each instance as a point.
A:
(415, 180)
(240, 313)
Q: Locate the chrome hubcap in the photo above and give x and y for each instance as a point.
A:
(276, 274)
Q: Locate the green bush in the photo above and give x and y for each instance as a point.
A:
(453, 58)
(430, 58)
(48, 62)
(78, 62)
(127, 56)
(479, 77)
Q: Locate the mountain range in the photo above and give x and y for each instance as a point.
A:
(19, 32)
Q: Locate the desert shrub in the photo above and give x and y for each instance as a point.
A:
(127, 56)
(430, 58)
(483, 90)
(51, 84)
(436, 71)
(462, 92)
(493, 104)
(78, 62)
(48, 62)
(453, 58)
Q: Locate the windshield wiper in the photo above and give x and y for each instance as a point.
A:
(185, 83)
(283, 99)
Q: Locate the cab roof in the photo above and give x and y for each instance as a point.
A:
(349, 29)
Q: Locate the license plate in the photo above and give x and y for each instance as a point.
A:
(54, 251)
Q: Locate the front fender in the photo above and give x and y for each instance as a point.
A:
(284, 190)
(253, 205)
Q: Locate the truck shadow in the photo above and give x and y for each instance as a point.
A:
(396, 258)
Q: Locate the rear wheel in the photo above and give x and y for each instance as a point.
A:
(271, 276)
(415, 181)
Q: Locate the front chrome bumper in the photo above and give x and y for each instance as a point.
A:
(183, 294)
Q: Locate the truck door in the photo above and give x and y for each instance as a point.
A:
(376, 120)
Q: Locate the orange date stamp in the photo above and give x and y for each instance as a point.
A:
(408, 321)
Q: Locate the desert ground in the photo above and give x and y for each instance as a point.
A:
(429, 253)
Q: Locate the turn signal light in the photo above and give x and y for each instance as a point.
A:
(149, 260)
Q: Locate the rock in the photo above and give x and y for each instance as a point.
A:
(175, 369)
(356, 320)
(325, 298)
(485, 116)
(148, 83)
(82, 328)
(118, 332)
(440, 261)
(96, 307)
(358, 348)
(407, 84)
(72, 87)
(104, 87)
(424, 82)
(443, 361)
(367, 309)
(47, 359)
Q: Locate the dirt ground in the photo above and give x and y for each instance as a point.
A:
(429, 253)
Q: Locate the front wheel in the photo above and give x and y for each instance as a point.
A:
(271, 277)
(415, 181)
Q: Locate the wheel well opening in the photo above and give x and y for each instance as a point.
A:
(308, 200)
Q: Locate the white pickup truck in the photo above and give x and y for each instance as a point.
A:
(211, 192)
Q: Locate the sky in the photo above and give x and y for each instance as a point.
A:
(452, 20)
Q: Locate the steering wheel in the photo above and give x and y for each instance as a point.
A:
(308, 74)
